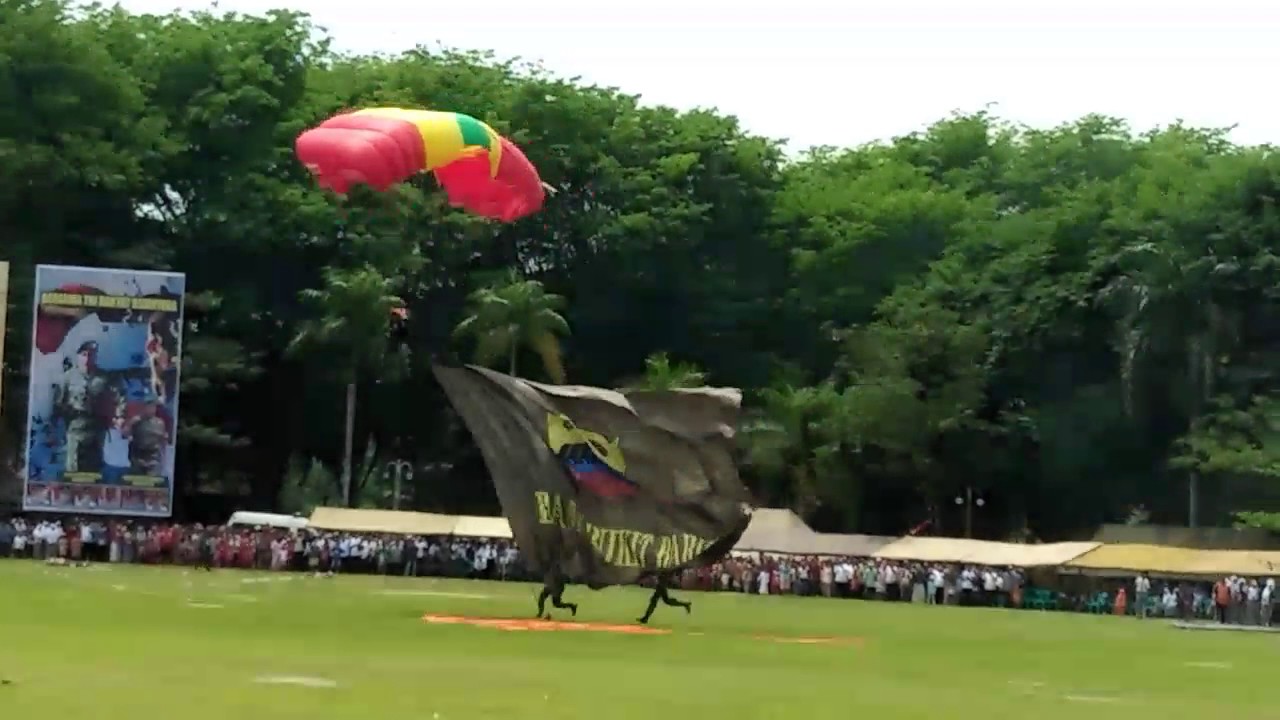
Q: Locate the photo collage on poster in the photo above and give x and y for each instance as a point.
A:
(103, 412)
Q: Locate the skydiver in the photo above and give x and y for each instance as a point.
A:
(553, 587)
(660, 585)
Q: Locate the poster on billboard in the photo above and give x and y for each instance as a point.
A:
(103, 413)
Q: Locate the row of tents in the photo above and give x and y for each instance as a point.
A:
(782, 532)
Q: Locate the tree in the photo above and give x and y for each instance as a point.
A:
(1233, 440)
(660, 373)
(353, 318)
(1183, 292)
(1260, 520)
(512, 314)
(787, 438)
(915, 397)
(1081, 316)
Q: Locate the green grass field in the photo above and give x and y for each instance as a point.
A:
(132, 643)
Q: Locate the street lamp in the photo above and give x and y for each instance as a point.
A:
(969, 501)
(398, 471)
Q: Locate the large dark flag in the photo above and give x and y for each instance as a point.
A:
(606, 487)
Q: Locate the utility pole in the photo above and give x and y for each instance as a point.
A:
(399, 471)
(348, 432)
(968, 501)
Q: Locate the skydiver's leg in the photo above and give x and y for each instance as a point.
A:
(542, 600)
(661, 594)
(554, 592)
(672, 602)
(557, 601)
(658, 592)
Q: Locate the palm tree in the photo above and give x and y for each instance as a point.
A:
(660, 373)
(353, 315)
(1169, 320)
(512, 314)
(786, 440)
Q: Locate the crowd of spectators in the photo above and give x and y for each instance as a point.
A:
(256, 548)
(1247, 601)
(865, 578)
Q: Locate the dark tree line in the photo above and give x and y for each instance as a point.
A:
(1068, 323)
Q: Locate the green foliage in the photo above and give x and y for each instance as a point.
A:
(788, 440)
(352, 317)
(1261, 520)
(662, 373)
(1232, 440)
(1072, 321)
(307, 486)
(511, 314)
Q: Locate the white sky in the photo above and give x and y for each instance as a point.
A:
(844, 72)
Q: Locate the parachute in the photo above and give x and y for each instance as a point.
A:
(478, 169)
(604, 487)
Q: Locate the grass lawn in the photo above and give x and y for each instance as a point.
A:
(137, 643)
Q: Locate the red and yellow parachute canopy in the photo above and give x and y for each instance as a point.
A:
(479, 169)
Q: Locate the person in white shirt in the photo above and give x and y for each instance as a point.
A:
(1236, 611)
(890, 578)
(480, 562)
(52, 535)
(1267, 602)
(826, 576)
(838, 580)
(509, 558)
(849, 571)
(937, 586)
(1141, 591)
(1253, 604)
(762, 582)
(988, 587)
(967, 579)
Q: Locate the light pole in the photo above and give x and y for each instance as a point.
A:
(348, 435)
(968, 501)
(398, 471)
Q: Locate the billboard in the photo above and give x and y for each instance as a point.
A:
(103, 413)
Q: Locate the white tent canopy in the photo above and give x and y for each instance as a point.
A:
(777, 530)
(983, 552)
(397, 522)
(850, 545)
(263, 519)
(482, 527)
